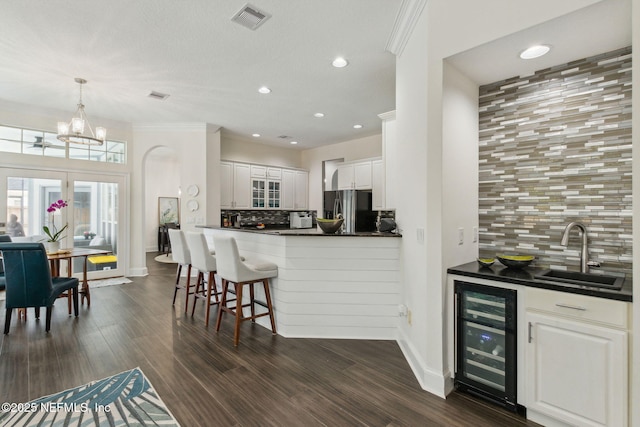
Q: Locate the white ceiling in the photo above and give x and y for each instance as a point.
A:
(596, 29)
(210, 66)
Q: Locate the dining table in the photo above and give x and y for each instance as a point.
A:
(67, 255)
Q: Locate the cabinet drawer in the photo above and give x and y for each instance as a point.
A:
(582, 307)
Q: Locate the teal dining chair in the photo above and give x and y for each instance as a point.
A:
(29, 282)
(3, 239)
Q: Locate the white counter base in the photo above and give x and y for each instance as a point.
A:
(328, 287)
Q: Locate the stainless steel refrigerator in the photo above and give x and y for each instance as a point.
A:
(355, 207)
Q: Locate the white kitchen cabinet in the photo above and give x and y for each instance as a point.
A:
(377, 184)
(226, 185)
(258, 171)
(355, 176)
(577, 363)
(301, 199)
(345, 177)
(265, 187)
(265, 193)
(249, 186)
(274, 173)
(295, 188)
(235, 189)
(288, 189)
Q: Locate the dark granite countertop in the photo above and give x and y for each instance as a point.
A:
(300, 232)
(526, 277)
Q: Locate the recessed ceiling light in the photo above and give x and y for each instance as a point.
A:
(293, 142)
(264, 90)
(535, 51)
(318, 115)
(255, 135)
(357, 126)
(340, 62)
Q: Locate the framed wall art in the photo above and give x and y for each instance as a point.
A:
(168, 210)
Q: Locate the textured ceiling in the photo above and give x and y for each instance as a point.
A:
(210, 66)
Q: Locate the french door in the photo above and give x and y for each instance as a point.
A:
(93, 216)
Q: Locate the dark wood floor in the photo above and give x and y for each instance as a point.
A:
(266, 381)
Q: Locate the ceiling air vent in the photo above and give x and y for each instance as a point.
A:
(250, 17)
(285, 137)
(157, 95)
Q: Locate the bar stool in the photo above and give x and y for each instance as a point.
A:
(181, 255)
(204, 262)
(232, 269)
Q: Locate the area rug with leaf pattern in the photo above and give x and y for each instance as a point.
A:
(125, 399)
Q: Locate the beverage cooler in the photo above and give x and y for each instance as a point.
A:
(486, 342)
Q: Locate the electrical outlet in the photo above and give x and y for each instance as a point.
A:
(420, 235)
(402, 310)
(409, 317)
(475, 234)
(460, 236)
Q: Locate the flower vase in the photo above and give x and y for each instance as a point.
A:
(53, 247)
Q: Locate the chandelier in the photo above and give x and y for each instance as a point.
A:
(74, 130)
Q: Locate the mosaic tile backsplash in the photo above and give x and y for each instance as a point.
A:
(270, 218)
(555, 147)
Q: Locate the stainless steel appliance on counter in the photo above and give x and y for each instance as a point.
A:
(355, 207)
(300, 220)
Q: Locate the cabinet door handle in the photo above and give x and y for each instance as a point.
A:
(529, 333)
(572, 307)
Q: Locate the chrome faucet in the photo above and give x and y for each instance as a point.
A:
(584, 253)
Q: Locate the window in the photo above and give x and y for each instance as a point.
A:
(39, 143)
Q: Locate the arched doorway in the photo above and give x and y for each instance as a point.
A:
(161, 177)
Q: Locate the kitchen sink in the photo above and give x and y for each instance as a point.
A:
(583, 279)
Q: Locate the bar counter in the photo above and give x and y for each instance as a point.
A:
(339, 286)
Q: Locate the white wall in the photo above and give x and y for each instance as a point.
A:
(192, 142)
(252, 152)
(361, 148)
(445, 27)
(162, 179)
(460, 183)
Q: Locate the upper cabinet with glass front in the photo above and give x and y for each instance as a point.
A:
(265, 187)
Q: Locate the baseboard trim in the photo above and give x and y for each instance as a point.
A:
(138, 272)
(430, 381)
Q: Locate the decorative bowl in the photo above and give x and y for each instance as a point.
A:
(486, 262)
(515, 261)
(329, 226)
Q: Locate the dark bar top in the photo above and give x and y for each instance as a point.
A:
(526, 277)
(300, 232)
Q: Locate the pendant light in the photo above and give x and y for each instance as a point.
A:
(74, 131)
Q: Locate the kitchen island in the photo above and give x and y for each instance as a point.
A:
(328, 285)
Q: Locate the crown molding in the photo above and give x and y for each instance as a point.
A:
(404, 24)
(389, 115)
